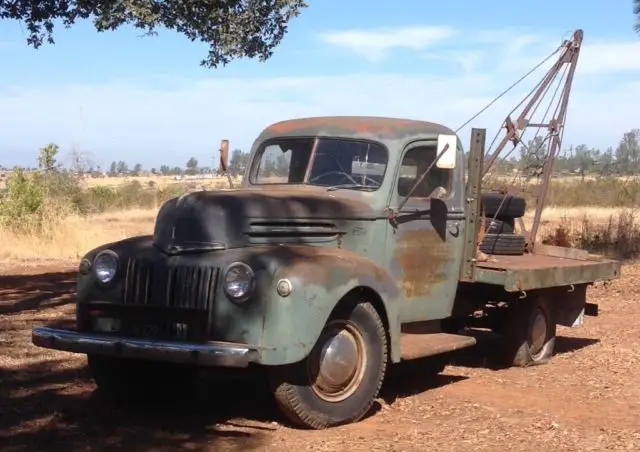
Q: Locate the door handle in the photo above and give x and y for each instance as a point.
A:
(454, 229)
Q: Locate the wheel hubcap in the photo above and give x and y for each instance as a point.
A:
(337, 365)
(538, 332)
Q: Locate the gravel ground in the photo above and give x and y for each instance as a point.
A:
(587, 399)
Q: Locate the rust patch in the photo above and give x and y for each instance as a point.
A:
(423, 257)
(294, 201)
(353, 125)
(331, 267)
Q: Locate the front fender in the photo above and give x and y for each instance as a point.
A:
(321, 277)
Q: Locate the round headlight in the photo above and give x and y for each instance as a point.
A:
(105, 266)
(239, 282)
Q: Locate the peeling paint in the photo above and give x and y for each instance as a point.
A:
(424, 259)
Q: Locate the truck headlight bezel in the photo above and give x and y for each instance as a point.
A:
(105, 266)
(239, 282)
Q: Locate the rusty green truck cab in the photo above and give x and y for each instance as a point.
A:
(334, 258)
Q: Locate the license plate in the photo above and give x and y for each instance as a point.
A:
(176, 331)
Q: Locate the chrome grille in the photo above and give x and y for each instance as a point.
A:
(185, 287)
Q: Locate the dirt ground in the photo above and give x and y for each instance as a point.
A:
(587, 399)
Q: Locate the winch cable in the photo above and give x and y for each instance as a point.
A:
(522, 101)
(560, 82)
(502, 94)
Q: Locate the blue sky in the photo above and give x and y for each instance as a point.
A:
(117, 96)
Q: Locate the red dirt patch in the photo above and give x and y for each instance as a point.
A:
(586, 399)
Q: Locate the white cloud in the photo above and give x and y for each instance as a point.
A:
(614, 56)
(189, 117)
(376, 44)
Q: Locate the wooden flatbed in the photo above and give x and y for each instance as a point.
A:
(548, 266)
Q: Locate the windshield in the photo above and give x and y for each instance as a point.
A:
(338, 163)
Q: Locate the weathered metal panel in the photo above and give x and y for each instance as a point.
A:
(580, 273)
(472, 203)
(424, 244)
(533, 271)
(490, 276)
(353, 126)
(320, 276)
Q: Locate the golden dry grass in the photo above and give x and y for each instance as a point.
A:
(70, 239)
(158, 181)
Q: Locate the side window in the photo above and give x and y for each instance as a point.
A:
(274, 165)
(282, 161)
(415, 162)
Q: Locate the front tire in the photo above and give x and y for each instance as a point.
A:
(341, 377)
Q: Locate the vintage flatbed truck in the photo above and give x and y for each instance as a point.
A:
(352, 244)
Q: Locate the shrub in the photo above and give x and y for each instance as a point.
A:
(618, 237)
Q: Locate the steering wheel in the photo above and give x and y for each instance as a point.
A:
(342, 173)
(375, 182)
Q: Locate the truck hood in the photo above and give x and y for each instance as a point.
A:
(222, 219)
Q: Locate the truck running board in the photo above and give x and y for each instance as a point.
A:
(414, 346)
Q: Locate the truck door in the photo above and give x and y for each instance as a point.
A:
(425, 242)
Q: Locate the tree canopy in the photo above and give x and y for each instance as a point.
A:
(233, 29)
(636, 11)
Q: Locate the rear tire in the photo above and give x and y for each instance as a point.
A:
(530, 333)
(341, 377)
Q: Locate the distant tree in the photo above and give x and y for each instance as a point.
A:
(192, 166)
(238, 161)
(606, 163)
(113, 169)
(47, 157)
(636, 12)
(282, 164)
(137, 169)
(532, 156)
(232, 29)
(628, 152)
(584, 159)
(165, 170)
(122, 167)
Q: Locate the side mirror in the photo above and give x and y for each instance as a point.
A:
(448, 159)
(224, 154)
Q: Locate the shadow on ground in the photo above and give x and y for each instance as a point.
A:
(54, 405)
(28, 292)
(48, 407)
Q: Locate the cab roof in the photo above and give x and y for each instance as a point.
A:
(381, 128)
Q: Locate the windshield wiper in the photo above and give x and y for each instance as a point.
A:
(354, 186)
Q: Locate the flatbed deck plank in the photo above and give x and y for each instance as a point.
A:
(536, 271)
(532, 261)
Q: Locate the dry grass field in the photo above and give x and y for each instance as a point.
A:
(585, 400)
(163, 181)
(70, 239)
(158, 181)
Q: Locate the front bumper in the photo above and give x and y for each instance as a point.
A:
(221, 354)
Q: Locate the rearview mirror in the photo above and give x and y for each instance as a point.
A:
(448, 159)
(224, 154)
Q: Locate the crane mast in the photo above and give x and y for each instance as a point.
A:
(560, 76)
